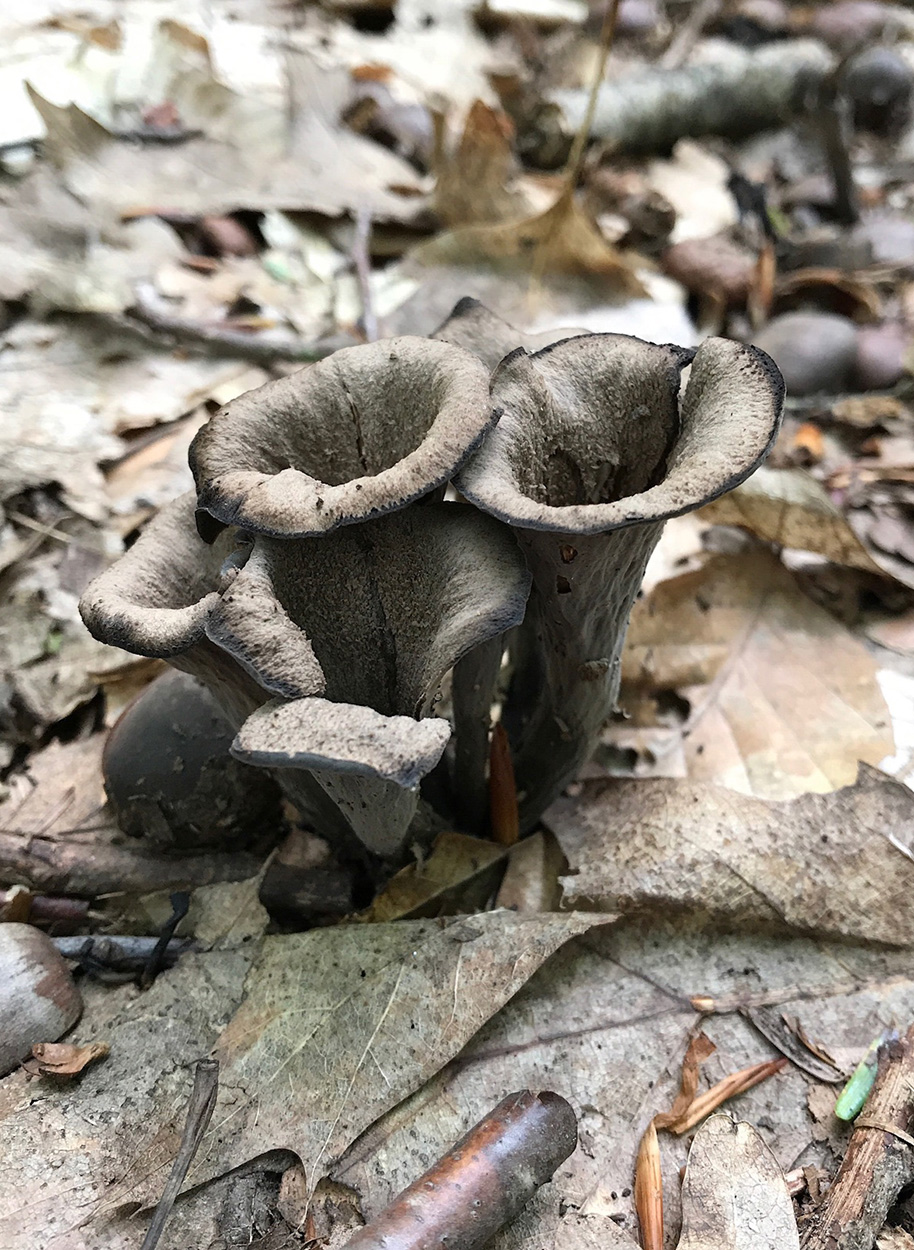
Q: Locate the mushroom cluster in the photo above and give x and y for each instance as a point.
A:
(325, 590)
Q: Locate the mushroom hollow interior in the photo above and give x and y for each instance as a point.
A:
(591, 419)
(386, 607)
(592, 437)
(361, 433)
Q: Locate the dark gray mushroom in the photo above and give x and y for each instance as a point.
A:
(354, 631)
(387, 608)
(157, 600)
(358, 435)
(590, 456)
(477, 329)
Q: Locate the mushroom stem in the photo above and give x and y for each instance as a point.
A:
(568, 673)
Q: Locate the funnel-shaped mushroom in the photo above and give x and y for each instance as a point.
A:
(355, 436)
(590, 456)
(158, 598)
(387, 608)
(477, 329)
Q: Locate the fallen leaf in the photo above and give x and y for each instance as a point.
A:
(340, 1024)
(830, 864)
(65, 1059)
(58, 835)
(459, 874)
(734, 1196)
(781, 698)
(252, 154)
(605, 1022)
(116, 1109)
(531, 880)
(792, 509)
(788, 1036)
(473, 181)
(562, 240)
(700, 1048)
(894, 1237)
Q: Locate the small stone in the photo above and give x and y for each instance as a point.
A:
(816, 352)
(171, 780)
(39, 1000)
(881, 352)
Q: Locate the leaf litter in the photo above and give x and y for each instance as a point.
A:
(176, 226)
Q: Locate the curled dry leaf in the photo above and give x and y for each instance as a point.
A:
(562, 240)
(792, 509)
(459, 874)
(649, 1190)
(827, 864)
(734, 1196)
(64, 1059)
(783, 700)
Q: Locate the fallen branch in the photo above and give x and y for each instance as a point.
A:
(482, 1183)
(736, 96)
(218, 339)
(879, 1160)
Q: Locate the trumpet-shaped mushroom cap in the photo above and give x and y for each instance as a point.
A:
(156, 599)
(386, 607)
(343, 738)
(477, 329)
(362, 433)
(590, 437)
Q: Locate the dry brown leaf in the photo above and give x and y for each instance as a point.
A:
(64, 1059)
(649, 1190)
(459, 874)
(531, 880)
(787, 1035)
(563, 240)
(473, 182)
(830, 864)
(340, 1024)
(792, 509)
(700, 1048)
(336, 1026)
(783, 700)
(734, 1196)
(894, 1238)
(250, 155)
(58, 835)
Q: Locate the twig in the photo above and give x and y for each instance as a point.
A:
(688, 34)
(199, 1113)
(180, 903)
(361, 259)
(504, 816)
(217, 339)
(482, 1183)
(118, 957)
(579, 145)
(879, 1161)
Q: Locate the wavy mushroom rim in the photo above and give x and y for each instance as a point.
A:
(488, 480)
(464, 417)
(344, 738)
(473, 326)
(121, 606)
